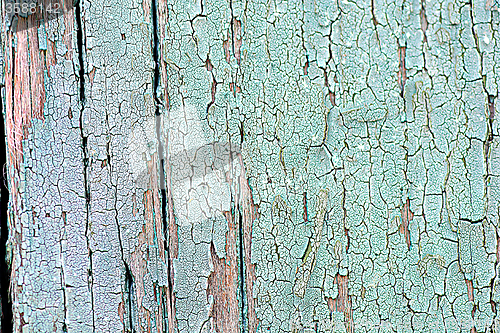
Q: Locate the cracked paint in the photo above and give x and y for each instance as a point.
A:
(254, 166)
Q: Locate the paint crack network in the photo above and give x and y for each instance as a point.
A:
(251, 166)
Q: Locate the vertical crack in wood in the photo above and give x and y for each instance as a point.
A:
(209, 66)
(406, 218)
(232, 25)
(168, 221)
(493, 281)
(129, 290)
(423, 26)
(236, 38)
(402, 69)
(374, 19)
(304, 203)
(309, 258)
(470, 296)
(478, 49)
(81, 78)
(423, 23)
(248, 214)
(241, 279)
(63, 276)
(487, 144)
(129, 281)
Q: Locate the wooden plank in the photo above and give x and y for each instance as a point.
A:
(253, 166)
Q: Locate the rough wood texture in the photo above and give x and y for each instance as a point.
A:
(254, 166)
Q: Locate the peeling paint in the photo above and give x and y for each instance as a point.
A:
(185, 190)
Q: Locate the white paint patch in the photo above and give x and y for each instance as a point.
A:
(200, 168)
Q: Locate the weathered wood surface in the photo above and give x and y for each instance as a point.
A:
(254, 166)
